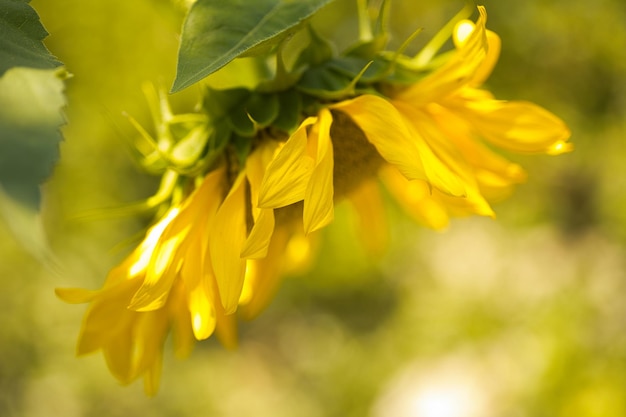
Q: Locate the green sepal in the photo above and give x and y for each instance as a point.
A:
(218, 138)
(240, 122)
(263, 108)
(327, 83)
(351, 67)
(189, 149)
(290, 104)
(218, 103)
(369, 49)
(242, 146)
(317, 51)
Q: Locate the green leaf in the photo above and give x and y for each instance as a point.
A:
(30, 118)
(21, 34)
(216, 32)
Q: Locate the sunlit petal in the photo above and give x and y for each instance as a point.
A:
(226, 242)
(386, 129)
(318, 200)
(289, 172)
(259, 239)
(519, 126)
(457, 72)
(203, 317)
(437, 172)
(372, 225)
(416, 198)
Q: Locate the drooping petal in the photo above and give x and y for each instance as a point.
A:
(438, 173)
(386, 129)
(263, 276)
(142, 256)
(152, 376)
(76, 295)
(453, 158)
(288, 174)
(372, 226)
(118, 351)
(187, 229)
(457, 72)
(226, 241)
(202, 310)
(256, 167)
(493, 54)
(259, 239)
(149, 333)
(182, 333)
(518, 126)
(318, 200)
(106, 316)
(487, 165)
(416, 198)
(226, 328)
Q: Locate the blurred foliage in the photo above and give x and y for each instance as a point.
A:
(523, 316)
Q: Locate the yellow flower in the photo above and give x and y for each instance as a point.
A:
(303, 171)
(223, 247)
(429, 130)
(188, 275)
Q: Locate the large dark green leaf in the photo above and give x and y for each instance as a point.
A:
(30, 118)
(21, 34)
(31, 99)
(217, 31)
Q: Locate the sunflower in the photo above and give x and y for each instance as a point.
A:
(255, 175)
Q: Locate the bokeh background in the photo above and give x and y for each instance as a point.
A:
(521, 316)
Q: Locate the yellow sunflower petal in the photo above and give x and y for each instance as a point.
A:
(386, 129)
(457, 72)
(440, 174)
(149, 333)
(261, 233)
(318, 200)
(486, 163)
(368, 204)
(256, 166)
(288, 174)
(225, 243)
(76, 295)
(226, 329)
(493, 54)
(182, 333)
(518, 126)
(416, 198)
(118, 355)
(106, 316)
(187, 231)
(259, 239)
(152, 377)
(203, 317)
(263, 277)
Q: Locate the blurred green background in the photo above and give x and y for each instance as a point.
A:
(522, 316)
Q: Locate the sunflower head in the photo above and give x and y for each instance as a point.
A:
(249, 177)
